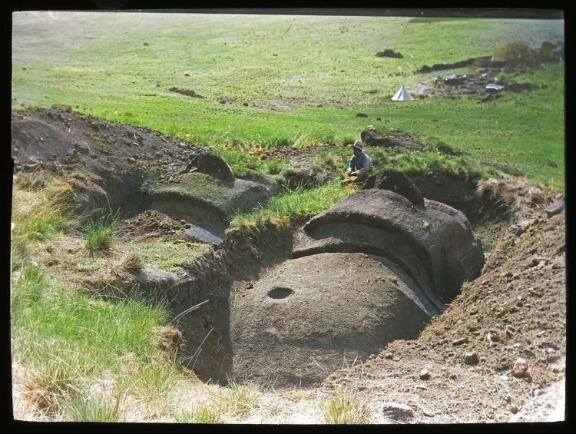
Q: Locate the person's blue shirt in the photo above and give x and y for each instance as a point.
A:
(360, 161)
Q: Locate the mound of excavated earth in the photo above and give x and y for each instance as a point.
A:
(135, 169)
(434, 245)
(311, 316)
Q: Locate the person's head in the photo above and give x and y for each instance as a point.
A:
(358, 147)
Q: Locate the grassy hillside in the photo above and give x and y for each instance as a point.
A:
(289, 79)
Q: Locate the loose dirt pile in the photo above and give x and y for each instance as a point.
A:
(391, 139)
(151, 224)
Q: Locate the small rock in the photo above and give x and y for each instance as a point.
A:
(556, 208)
(520, 368)
(471, 358)
(514, 409)
(424, 374)
(397, 411)
(249, 286)
(536, 260)
(460, 341)
(522, 226)
(388, 356)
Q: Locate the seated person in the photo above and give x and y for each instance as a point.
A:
(360, 163)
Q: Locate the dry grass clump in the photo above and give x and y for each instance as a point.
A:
(47, 388)
(170, 340)
(345, 409)
(199, 415)
(39, 209)
(238, 400)
(511, 193)
(116, 279)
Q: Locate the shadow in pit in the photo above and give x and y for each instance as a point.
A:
(200, 302)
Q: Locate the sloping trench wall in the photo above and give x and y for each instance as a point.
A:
(206, 347)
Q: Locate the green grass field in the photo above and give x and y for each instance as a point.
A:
(303, 77)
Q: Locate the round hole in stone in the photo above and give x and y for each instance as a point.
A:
(280, 292)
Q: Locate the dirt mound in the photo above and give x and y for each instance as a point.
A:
(484, 62)
(391, 139)
(389, 53)
(305, 317)
(211, 165)
(151, 224)
(473, 85)
(434, 245)
(187, 92)
(133, 168)
(549, 406)
(515, 309)
(121, 156)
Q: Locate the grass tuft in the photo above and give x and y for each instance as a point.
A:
(199, 415)
(299, 203)
(93, 407)
(99, 233)
(344, 408)
(39, 210)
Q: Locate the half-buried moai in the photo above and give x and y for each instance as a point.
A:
(371, 270)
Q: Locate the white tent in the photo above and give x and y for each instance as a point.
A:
(402, 95)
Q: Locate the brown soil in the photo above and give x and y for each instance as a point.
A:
(151, 224)
(188, 92)
(122, 156)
